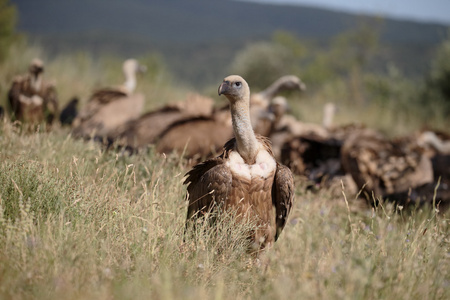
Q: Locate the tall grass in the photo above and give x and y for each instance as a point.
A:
(79, 223)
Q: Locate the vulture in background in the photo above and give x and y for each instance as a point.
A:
(437, 148)
(144, 131)
(109, 108)
(32, 99)
(199, 137)
(314, 150)
(245, 178)
(69, 112)
(262, 118)
(394, 169)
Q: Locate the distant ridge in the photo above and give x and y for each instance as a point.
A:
(424, 17)
(181, 29)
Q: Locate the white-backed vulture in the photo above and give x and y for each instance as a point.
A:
(197, 137)
(313, 150)
(395, 169)
(140, 133)
(109, 108)
(289, 128)
(32, 99)
(284, 83)
(245, 178)
(262, 121)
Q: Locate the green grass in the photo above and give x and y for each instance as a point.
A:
(79, 223)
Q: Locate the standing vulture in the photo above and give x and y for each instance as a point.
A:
(245, 178)
(109, 108)
(144, 131)
(260, 102)
(395, 169)
(197, 137)
(33, 100)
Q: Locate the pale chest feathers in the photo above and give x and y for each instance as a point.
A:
(264, 167)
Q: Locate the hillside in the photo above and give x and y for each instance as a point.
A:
(199, 38)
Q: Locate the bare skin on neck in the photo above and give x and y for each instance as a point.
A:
(247, 145)
(236, 89)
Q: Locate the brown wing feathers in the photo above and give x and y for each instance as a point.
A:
(211, 183)
(208, 183)
(282, 196)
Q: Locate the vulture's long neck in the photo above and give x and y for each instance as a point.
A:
(270, 92)
(36, 81)
(130, 81)
(247, 145)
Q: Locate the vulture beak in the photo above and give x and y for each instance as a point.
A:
(223, 88)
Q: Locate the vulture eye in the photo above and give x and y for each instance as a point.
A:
(238, 84)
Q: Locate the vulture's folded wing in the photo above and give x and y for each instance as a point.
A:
(282, 196)
(209, 183)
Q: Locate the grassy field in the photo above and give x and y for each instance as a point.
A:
(79, 223)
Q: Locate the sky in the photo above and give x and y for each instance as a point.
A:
(419, 10)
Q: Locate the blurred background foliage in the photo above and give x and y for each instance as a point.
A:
(8, 18)
(348, 70)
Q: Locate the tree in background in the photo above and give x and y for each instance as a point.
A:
(437, 86)
(262, 63)
(347, 57)
(8, 18)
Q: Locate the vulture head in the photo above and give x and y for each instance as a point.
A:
(291, 82)
(235, 88)
(36, 67)
(279, 106)
(130, 68)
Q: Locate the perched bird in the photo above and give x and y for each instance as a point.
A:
(109, 108)
(284, 83)
(69, 112)
(392, 169)
(32, 99)
(263, 119)
(146, 130)
(245, 178)
(2, 113)
(197, 137)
